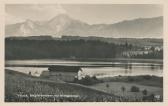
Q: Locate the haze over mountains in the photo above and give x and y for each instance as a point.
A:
(64, 25)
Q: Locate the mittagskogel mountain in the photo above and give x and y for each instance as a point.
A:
(65, 25)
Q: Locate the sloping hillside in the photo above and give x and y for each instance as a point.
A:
(20, 87)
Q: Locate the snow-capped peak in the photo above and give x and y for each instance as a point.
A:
(29, 23)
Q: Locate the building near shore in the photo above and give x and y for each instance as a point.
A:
(80, 74)
(64, 73)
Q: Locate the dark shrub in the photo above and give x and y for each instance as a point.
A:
(130, 79)
(147, 77)
(150, 98)
(134, 89)
(144, 92)
(87, 80)
(94, 77)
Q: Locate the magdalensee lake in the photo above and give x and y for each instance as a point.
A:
(116, 68)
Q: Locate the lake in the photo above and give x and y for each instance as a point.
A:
(100, 69)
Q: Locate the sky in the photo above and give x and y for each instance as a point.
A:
(89, 13)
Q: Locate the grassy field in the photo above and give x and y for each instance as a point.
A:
(141, 80)
(20, 87)
(121, 86)
(116, 88)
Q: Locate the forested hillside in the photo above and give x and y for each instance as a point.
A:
(72, 49)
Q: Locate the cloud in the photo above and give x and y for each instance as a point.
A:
(48, 9)
(18, 13)
(11, 19)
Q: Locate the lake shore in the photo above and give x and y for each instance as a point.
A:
(139, 60)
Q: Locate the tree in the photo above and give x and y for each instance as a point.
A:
(107, 86)
(30, 73)
(123, 89)
(144, 92)
(126, 45)
(153, 49)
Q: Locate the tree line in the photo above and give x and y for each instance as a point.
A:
(50, 49)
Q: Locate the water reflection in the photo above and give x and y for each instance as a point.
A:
(126, 70)
(107, 68)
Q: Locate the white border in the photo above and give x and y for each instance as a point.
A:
(2, 24)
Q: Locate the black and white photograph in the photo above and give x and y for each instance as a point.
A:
(83, 53)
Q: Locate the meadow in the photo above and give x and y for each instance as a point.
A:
(20, 87)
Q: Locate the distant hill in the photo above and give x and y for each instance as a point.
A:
(65, 25)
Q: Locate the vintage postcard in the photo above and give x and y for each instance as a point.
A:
(84, 52)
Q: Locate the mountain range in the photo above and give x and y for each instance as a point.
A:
(65, 25)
